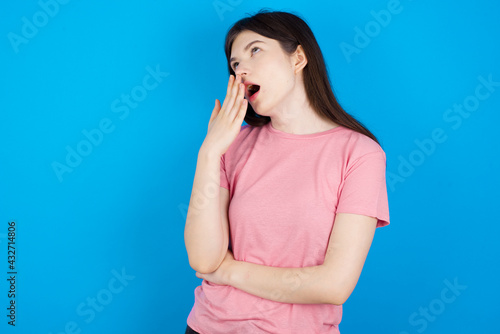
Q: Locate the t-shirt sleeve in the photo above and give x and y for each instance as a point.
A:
(364, 190)
(223, 177)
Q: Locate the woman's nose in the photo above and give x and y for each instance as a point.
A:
(241, 70)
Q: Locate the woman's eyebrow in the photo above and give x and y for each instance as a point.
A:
(246, 48)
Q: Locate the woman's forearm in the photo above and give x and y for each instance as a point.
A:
(307, 285)
(204, 235)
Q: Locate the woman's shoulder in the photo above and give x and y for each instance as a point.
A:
(359, 143)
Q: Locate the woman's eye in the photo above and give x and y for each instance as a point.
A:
(236, 63)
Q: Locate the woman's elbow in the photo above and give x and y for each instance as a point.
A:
(204, 266)
(338, 295)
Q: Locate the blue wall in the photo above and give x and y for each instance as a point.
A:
(104, 108)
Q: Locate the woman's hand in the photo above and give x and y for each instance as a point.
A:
(225, 123)
(222, 275)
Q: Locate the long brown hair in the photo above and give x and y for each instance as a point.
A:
(290, 31)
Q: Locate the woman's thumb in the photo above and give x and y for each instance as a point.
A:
(216, 110)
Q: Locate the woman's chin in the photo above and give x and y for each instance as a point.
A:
(260, 112)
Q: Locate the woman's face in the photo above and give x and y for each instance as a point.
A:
(263, 63)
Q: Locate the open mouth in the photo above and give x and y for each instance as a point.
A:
(252, 89)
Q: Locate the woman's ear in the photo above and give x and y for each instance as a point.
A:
(300, 59)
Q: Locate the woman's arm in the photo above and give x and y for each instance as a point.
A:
(329, 283)
(206, 233)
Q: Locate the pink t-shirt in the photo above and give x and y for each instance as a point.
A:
(285, 190)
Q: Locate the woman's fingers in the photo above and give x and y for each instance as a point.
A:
(242, 112)
(227, 100)
(239, 100)
(233, 93)
(222, 129)
(235, 98)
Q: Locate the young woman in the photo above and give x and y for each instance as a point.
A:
(284, 209)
